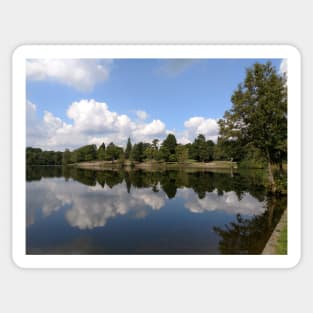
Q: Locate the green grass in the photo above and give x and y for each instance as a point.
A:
(282, 241)
(153, 164)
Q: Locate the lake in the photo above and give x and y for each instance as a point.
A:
(76, 211)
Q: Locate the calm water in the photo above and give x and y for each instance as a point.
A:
(74, 211)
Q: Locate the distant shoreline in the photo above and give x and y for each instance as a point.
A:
(154, 165)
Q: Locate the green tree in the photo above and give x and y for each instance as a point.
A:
(58, 157)
(155, 148)
(200, 148)
(149, 152)
(228, 150)
(170, 143)
(121, 158)
(189, 146)
(163, 153)
(137, 153)
(101, 152)
(168, 147)
(210, 149)
(36, 156)
(112, 152)
(172, 158)
(73, 158)
(84, 153)
(155, 144)
(80, 157)
(181, 154)
(90, 152)
(259, 115)
(128, 149)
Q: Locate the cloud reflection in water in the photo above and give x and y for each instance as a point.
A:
(88, 207)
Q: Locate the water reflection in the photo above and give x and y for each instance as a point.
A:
(249, 235)
(228, 202)
(88, 200)
(89, 207)
(170, 181)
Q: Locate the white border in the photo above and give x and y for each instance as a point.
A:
(155, 261)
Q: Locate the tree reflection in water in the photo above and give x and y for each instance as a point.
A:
(249, 235)
(241, 196)
(170, 180)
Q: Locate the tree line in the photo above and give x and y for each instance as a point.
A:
(169, 150)
(253, 132)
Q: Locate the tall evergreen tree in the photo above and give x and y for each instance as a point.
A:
(128, 149)
(101, 152)
(170, 143)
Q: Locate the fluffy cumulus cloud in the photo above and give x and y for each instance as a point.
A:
(82, 74)
(92, 123)
(146, 132)
(92, 117)
(199, 125)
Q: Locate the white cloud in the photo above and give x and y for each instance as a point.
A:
(87, 210)
(227, 202)
(155, 128)
(92, 123)
(92, 117)
(53, 122)
(82, 74)
(35, 131)
(199, 125)
(283, 68)
(142, 115)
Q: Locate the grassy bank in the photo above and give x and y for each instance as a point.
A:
(278, 242)
(282, 241)
(154, 165)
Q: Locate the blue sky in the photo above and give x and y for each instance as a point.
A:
(168, 93)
